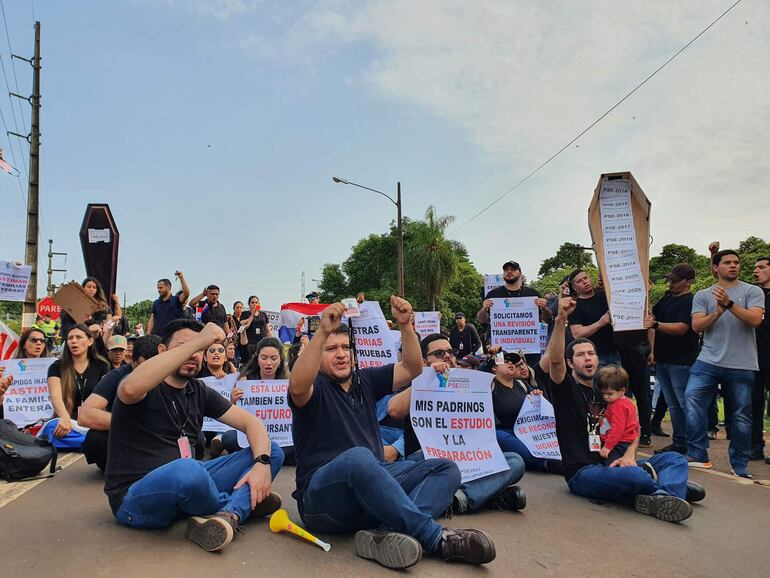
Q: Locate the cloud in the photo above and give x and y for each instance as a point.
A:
(522, 78)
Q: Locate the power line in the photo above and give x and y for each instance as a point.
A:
(13, 65)
(594, 123)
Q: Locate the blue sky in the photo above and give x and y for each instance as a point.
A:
(213, 128)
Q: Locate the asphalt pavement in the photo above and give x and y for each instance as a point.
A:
(63, 527)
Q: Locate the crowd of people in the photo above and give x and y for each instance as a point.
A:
(138, 402)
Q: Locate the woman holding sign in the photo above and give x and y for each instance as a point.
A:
(268, 362)
(510, 389)
(72, 378)
(32, 345)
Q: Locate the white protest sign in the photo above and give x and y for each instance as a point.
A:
(274, 321)
(624, 275)
(426, 323)
(267, 399)
(14, 280)
(515, 324)
(223, 387)
(98, 235)
(543, 336)
(396, 335)
(492, 281)
(26, 400)
(536, 428)
(374, 342)
(452, 417)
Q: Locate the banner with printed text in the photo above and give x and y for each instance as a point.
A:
(452, 417)
(14, 280)
(223, 387)
(374, 342)
(536, 428)
(268, 400)
(515, 324)
(26, 400)
(426, 323)
(492, 281)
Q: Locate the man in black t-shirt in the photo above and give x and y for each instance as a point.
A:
(674, 348)
(514, 287)
(464, 337)
(343, 482)
(591, 318)
(152, 480)
(167, 306)
(213, 310)
(762, 383)
(658, 489)
(96, 410)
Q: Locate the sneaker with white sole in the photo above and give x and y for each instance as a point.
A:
(702, 465)
(212, 533)
(391, 549)
(663, 507)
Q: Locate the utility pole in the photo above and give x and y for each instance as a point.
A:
(30, 258)
(51, 287)
(400, 241)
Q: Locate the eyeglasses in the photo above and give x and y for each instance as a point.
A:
(216, 349)
(36, 340)
(439, 353)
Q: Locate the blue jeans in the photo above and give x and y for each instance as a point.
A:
(508, 442)
(673, 382)
(230, 441)
(187, 487)
(356, 491)
(622, 485)
(738, 385)
(481, 490)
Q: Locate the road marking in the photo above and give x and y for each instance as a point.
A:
(9, 491)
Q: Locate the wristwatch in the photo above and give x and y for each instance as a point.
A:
(729, 304)
(262, 459)
(656, 325)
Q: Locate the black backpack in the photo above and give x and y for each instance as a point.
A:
(22, 455)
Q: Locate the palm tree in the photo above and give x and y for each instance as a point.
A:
(431, 259)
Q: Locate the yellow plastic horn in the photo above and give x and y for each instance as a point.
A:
(280, 522)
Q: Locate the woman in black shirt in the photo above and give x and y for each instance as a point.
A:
(72, 378)
(512, 384)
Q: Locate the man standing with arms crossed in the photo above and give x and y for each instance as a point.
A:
(727, 314)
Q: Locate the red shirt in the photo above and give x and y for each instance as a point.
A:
(620, 423)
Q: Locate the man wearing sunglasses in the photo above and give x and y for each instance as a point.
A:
(343, 482)
(496, 491)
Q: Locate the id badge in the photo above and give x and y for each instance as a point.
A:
(184, 447)
(594, 443)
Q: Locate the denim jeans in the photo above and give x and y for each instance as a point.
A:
(187, 487)
(508, 442)
(356, 491)
(623, 484)
(701, 385)
(230, 441)
(673, 382)
(393, 436)
(481, 490)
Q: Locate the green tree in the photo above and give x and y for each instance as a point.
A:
(673, 254)
(749, 249)
(569, 255)
(550, 283)
(431, 259)
(138, 312)
(333, 285)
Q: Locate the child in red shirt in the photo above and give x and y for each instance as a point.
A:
(620, 425)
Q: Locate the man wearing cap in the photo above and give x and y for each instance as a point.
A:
(313, 298)
(116, 350)
(514, 287)
(463, 337)
(674, 348)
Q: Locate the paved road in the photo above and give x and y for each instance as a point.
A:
(63, 527)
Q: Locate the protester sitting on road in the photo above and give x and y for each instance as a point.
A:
(726, 313)
(231, 353)
(391, 431)
(32, 344)
(215, 362)
(72, 378)
(343, 482)
(578, 410)
(497, 491)
(116, 350)
(95, 413)
(509, 390)
(157, 417)
(619, 427)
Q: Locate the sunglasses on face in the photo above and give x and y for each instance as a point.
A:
(36, 340)
(216, 349)
(440, 353)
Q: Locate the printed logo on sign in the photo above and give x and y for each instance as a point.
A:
(23, 365)
(508, 303)
(442, 379)
(459, 383)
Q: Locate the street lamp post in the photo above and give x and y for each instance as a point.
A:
(400, 234)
